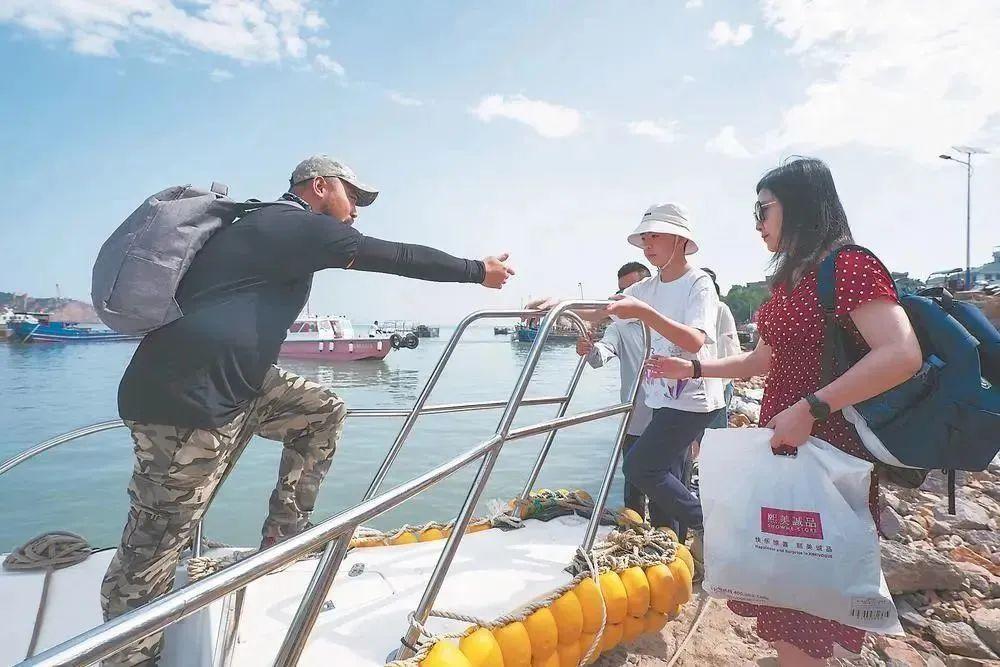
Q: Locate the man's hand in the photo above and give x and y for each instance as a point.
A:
(497, 271)
(584, 346)
(627, 307)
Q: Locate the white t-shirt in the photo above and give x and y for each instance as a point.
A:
(727, 341)
(690, 300)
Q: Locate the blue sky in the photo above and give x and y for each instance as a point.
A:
(542, 129)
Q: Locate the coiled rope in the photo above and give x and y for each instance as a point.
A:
(50, 552)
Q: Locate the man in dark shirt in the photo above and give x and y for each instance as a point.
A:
(199, 388)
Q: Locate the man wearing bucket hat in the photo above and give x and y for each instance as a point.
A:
(200, 387)
(680, 306)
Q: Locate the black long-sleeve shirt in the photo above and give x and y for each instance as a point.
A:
(241, 293)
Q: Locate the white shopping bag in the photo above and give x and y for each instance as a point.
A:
(792, 532)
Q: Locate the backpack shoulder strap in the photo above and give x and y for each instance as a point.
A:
(252, 205)
(826, 290)
(826, 280)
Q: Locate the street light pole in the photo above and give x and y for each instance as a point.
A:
(968, 223)
(968, 151)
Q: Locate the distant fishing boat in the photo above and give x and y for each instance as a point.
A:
(40, 328)
(524, 333)
(403, 327)
(333, 339)
(6, 316)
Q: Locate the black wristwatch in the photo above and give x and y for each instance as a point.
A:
(817, 408)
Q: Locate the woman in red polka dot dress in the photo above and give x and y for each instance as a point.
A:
(800, 219)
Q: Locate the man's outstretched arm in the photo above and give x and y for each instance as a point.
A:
(425, 263)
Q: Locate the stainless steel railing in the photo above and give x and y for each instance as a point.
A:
(445, 408)
(335, 533)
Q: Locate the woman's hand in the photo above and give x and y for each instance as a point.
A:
(792, 426)
(627, 307)
(673, 368)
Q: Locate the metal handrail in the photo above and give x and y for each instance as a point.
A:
(444, 408)
(609, 473)
(333, 555)
(547, 445)
(34, 451)
(111, 637)
(421, 614)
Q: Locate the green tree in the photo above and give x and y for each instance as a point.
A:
(744, 300)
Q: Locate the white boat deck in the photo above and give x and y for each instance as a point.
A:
(493, 573)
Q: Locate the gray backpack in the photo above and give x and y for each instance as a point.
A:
(139, 267)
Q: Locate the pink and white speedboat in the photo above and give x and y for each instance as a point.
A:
(332, 339)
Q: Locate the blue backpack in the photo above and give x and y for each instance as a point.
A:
(947, 416)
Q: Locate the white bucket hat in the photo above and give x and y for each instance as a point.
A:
(667, 218)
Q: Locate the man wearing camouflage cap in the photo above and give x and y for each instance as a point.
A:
(199, 388)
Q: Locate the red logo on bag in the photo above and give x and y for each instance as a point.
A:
(791, 523)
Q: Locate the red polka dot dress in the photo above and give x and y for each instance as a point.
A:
(791, 323)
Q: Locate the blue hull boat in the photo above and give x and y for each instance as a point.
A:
(46, 331)
(526, 334)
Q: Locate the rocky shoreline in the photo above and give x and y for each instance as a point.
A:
(943, 572)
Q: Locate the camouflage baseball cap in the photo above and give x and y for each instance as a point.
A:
(326, 167)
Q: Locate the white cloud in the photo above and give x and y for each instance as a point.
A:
(723, 34)
(665, 133)
(325, 63)
(547, 119)
(693, 4)
(726, 143)
(90, 44)
(900, 75)
(218, 75)
(687, 78)
(245, 30)
(403, 100)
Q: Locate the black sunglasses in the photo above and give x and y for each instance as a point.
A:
(759, 211)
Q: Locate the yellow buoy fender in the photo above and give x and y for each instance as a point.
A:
(685, 555)
(515, 645)
(612, 636)
(404, 538)
(542, 632)
(445, 654)
(569, 617)
(431, 534)
(661, 588)
(482, 649)
(569, 654)
(682, 579)
(591, 604)
(637, 591)
(615, 597)
(655, 621)
(632, 628)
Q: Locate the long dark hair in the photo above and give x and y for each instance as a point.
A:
(813, 223)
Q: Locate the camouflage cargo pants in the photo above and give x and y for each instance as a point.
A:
(178, 470)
